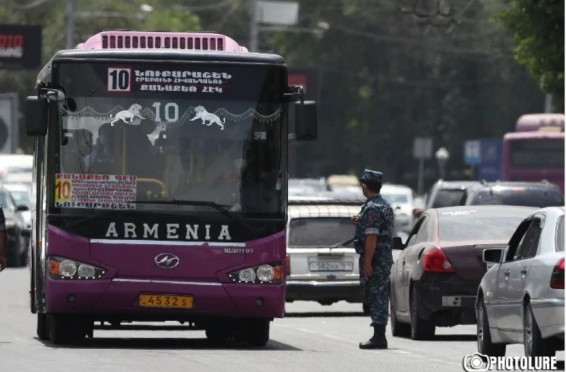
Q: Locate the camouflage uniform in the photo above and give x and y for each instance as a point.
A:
(376, 217)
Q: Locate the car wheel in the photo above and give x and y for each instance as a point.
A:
(398, 329)
(485, 346)
(258, 332)
(421, 329)
(42, 326)
(533, 342)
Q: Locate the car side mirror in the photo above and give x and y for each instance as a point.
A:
(417, 212)
(492, 256)
(398, 243)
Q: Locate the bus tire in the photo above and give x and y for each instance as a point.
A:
(217, 335)
(258, 332)
(66, 329)
(42, 326)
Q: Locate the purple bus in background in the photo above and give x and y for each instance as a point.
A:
(535, 152)
(160, 175)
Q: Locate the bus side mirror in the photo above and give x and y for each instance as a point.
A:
(306, 122)
(36, 116)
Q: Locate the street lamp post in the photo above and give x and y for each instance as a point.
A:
(442, 155)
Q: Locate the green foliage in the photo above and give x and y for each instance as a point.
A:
(538, 28)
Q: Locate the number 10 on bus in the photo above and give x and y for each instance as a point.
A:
(63, 190)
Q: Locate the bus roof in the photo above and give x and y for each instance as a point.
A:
(540, 122)
(533, 135)
(204, 41)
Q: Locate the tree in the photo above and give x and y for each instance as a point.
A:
(538, 28)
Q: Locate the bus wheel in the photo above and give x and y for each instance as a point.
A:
(66, 329)
(258, 332)
(217, 335)
(42, 326)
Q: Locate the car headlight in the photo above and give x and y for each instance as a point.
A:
(65, 268)
(262, 274)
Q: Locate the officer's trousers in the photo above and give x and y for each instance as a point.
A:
(376, 292)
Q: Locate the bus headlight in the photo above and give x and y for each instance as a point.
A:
(263, 274)
(64, 268)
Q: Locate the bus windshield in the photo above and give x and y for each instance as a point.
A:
(535, 152)
(216, 137)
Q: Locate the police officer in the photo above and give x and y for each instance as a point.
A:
(374, 230)
(3, 240)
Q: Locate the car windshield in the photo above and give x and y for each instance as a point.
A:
(320, 232)
(21, 197)
(560, 235)
(6, 201)
(447, 198)
(531, 197)
(462, 225)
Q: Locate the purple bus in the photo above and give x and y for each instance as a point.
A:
(535, 152)
(160, 176)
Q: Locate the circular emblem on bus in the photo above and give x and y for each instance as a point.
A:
(167, 261)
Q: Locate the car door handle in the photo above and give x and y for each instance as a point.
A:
(507, 273)
(524, 273)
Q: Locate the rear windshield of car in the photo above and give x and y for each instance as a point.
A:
(396, 198)
(470, 225)
(530, 197)
(447, 198)
(320, 232)
(560, 235)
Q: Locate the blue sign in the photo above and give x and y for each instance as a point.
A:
(490, 166)
(472, 152)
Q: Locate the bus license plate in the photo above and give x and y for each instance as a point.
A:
(331, 266)
(166, 301)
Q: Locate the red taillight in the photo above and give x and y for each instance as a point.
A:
(436, 261)
(287, 265)
(557, 277)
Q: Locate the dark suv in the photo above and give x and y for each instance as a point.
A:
(531, 194)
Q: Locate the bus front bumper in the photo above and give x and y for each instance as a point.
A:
(122, 296)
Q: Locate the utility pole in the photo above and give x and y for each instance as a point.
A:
(254, 28)
(69, 43)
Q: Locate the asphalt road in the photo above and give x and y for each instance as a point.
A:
(310, 338)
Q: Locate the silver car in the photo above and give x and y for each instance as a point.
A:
(521, 297)
(322, 262)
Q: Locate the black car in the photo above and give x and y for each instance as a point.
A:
(530, 194)
(17, 245)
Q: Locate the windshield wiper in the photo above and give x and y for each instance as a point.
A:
(218, 207)
(341, 244)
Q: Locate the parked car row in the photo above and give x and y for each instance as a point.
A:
(498, 266)
(15, 199)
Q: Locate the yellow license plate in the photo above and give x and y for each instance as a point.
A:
(166, 301)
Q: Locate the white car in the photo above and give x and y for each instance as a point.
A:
(521, 297)
(400, 197)
(21, 193)
(322, 263)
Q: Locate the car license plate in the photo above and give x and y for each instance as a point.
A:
(166, 301)
(331, 266)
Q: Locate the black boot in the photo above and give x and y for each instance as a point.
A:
(378, 341)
